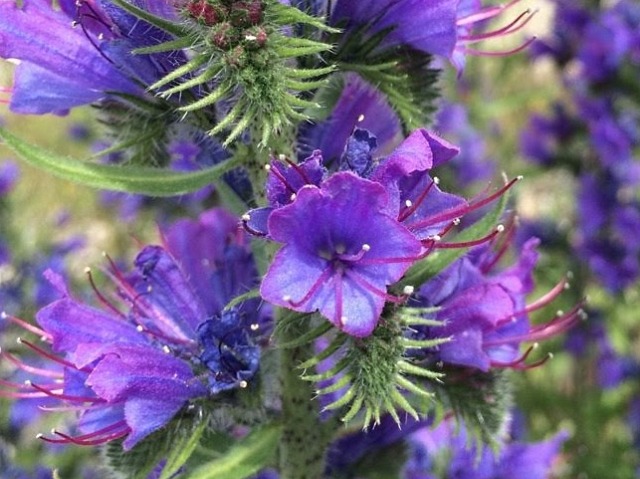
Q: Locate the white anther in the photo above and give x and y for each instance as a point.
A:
(408, 290)
(535, 346)
(250, 38)
(500, 228)
(19, 340)
(267, 167)
(149, 289)
(246, 217)
(282, 157)
(104, 254)
(436, 237)
(343, 319)
(366, 247)
(569, 274)
(101, 36)
(550, 355)
(360, 118)
(28, 383)
(436, 180)
(74, 24)
(293, 196)
(408, 203)
(243, 384)
(519, 177)
(87, 270)
(559, 312)
(3, 315)
(166, 349)
(54, 431)
(139, 328)
(567, 285)
(286, 298)
(254, 327)
(39, 435)
(456, 221)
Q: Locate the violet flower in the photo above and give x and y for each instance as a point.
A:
(160, 342)
(485, 313)
(340, 253)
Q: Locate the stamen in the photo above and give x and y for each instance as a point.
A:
(371, 288)
(282, 179)
(506, 30)
(467, 244)
(300, 171)
(485, 14)
(354, 257)
(64, 397)
(464, 209)
(482, 53)
(313, 290)
(100, 296)
(415, 204)
(26, 326)
(31, 369)
(48, 355)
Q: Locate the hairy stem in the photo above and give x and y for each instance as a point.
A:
(303, 441)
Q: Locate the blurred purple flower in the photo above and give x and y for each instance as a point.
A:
(128, 373)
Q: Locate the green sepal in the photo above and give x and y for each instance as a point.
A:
(177, 44)
(286, 15)
(483, 401)
(309, 336)
(245, 458)
(182, 451)
(168, 442)
(162, 23)
(130, 179)
(438, 260)
(254, 293)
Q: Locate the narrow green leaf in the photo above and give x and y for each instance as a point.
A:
(177, 44)
(181, 452)
(163, 24)
(244, 458)
(254, 293)
(129, 179)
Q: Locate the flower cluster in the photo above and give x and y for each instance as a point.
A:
(161, 340)
(594, 133)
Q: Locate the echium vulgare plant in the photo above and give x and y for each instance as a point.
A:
(336, 281)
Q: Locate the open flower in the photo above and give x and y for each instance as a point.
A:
(161, 341)
(341, 251)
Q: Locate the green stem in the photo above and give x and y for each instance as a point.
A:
(303, 441)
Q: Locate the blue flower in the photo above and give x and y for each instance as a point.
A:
(161, 341)
(341, 251)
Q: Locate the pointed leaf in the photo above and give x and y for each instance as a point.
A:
(182, 451)
(245, 458)
(130, 179)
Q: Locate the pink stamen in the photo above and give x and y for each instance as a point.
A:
(515, 362)
(512, 27)
(520, 364)
(507, 238)
(411, 209)
(104, 301)
(313, 290)
(372, 289)
(66, 397)
(482, 53)
(485, 14)
(50, 356)
(282, 179)
(464, 209)
(466, 244)
(544, 331)
(548, 297)
(299, 170)
(27, 326)
(31, 369)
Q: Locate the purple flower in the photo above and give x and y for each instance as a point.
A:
(341, 251)
(90, 57)
(441, 27)
(530, 460)
(485, 312)
(160, 342)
